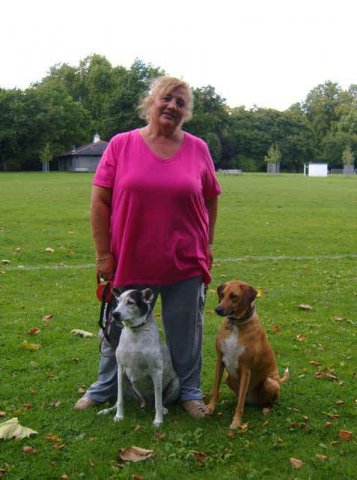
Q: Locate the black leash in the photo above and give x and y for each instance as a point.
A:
(105, 310)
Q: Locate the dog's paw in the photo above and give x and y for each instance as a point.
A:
(118, 417)
(210, 408)
(157, 422)
(105, 411)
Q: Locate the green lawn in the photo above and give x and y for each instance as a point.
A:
(295, 238)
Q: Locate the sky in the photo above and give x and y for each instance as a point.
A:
(265, 53)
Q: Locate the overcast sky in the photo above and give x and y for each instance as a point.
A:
(268, 53)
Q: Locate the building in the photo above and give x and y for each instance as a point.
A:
(315, 169)
(84, 158)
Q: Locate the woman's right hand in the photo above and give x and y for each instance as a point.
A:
(105, 266)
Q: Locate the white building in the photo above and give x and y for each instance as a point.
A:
(315, 169)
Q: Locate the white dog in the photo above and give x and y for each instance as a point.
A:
(141, 356)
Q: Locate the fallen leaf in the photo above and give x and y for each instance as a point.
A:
(333, 416)
(137, 476)
(230, 434)
(266, 410)
(30, 346)
(2, 414)
(296, 463)
(304, 306)
(27, 406)
(53, 438)
(244, 428)
(12, 429)
(339, 319)
(137, 428)
(82, 333)
(55, 403)
(91, 463)
(200, 456)
(48, 317)
(260, 292)
(276, 328)
(135, 454)
(345, 435)
(5, 262)
(34, 331)
(29, 450)
(160, 436)
(315, 363)
(300, 338)
(321, 457)
(326, 375)
(340, 403)
(64, 477)
(49, 250)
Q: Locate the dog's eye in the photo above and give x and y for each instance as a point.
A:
(130, 301)
(233, 297)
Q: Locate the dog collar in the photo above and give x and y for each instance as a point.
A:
(144, 322)
(245, 318)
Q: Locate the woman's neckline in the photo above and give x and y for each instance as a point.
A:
(162, 158)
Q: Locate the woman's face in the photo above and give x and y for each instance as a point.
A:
(168, 110)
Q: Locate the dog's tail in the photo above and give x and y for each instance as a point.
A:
(285, 376)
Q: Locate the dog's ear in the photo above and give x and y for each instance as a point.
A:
(147, 295)
(116, 292)
(250, 294)
(220, 290)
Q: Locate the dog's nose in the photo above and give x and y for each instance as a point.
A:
(117, 316)
(219, 310)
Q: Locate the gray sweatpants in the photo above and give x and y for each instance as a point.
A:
(182, 314)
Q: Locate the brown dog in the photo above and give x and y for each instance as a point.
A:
(244, 351)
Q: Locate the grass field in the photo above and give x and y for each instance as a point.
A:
(292, 237)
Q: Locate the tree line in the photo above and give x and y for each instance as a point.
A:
(68, 106)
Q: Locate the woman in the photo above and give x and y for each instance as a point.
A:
(154, 208)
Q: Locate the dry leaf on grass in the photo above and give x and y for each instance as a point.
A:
(301, 338)
(49, 250)
(82, 333)
(296, 463)
(48, 317)
(135, 454)
(34, 331)
(345, 435)
(12, 429)
(323, 458)
(304, 306)
(29, 450)
(30, 346)
(200, 456)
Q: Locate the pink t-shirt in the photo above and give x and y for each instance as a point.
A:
(159, 223)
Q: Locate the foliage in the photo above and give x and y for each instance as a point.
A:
(71, 103)
(291, 237)
(347, 156)
(273, 155)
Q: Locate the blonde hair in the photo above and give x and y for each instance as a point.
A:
(162, 86)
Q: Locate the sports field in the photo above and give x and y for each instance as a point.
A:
(293, 238)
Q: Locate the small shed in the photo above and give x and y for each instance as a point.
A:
(84, 158)
(315, 169)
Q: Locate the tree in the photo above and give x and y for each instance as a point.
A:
(347, 156)
(272, 159)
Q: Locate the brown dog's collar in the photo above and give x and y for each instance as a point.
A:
(245, 318)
